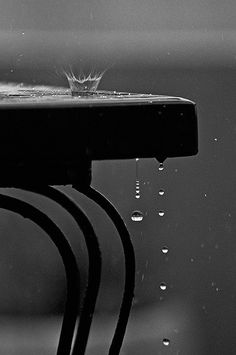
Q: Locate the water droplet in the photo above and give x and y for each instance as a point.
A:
(161, 192)
(137, 216)
(163, 286)
(161, 213)
(166, 342)
(161, 167)
(165, 250)
(137, 195)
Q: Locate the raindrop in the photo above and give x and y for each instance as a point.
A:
(163, 286)
(137, 216)
(166, 342)
(165, 250)
(161, 213)
(161, 192)
(161, 167)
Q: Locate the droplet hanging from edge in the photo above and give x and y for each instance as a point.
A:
(165, 250)
(137, 216)
(161, 167)
(161, 192)
(166, 342)
(161, 213)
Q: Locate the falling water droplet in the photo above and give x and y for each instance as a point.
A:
(161, 167)
(137, 194)
(161, 192)
(161, 213)
(166, 342)
(165, 250)
(137, 216)
(163, 286)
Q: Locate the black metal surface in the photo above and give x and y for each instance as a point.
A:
(129, 255)
(95, 262)
(64, 248)
(53, 137)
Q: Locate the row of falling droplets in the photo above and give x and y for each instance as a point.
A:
(137, 216)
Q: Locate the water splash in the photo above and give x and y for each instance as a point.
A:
(82, 84)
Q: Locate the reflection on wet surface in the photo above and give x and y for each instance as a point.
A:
(11, 93)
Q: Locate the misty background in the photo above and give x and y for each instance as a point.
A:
(180, 48)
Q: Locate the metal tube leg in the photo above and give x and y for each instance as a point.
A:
(95, 262)
(129, 254)
(64, 248)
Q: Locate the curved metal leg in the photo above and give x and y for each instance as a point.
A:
(128, 295)
(64, 248)
(95, 262)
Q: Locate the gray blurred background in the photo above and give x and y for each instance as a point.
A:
(182, 48)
